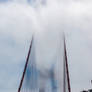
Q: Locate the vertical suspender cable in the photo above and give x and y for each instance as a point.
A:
(21, 82)
(66, 66)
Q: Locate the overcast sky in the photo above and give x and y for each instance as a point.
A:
(20, 18)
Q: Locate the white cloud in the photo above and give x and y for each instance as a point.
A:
(17, 22)
(75, 20)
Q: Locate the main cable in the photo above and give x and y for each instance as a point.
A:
(21, 82)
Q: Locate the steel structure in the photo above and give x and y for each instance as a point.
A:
(66, 71)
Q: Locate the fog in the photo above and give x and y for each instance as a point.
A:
(18, 21)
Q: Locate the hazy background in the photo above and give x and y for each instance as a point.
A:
(20, 18)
